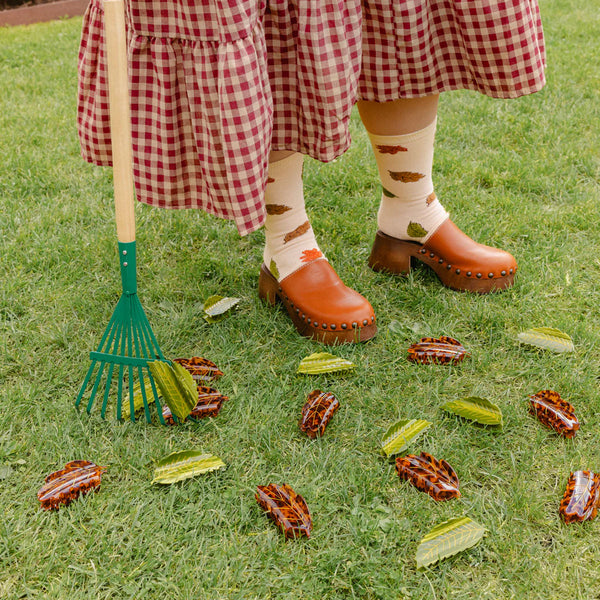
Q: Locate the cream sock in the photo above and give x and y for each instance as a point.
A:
(289, 239)
(409, 208)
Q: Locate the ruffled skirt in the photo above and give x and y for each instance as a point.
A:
(216, 85)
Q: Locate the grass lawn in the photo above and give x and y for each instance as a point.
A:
(523, 175)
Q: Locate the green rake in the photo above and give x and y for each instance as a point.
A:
(128, 344)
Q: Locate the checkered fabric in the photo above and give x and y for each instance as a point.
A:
(421, 47)
(203, 95)
(216, 84)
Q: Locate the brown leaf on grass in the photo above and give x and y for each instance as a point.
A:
(443, 350)
(580, 502)
(209, 404)
(430, 475)
(276, 209)
(286, 508)
(383, 149)
(200, 368)
(317, 412)
(554, 412)
(300, 230)
(405, 176)
(77, 478)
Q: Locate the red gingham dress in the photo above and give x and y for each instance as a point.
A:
(217, 84)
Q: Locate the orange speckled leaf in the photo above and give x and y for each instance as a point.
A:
(310, 255)
(443, 350)
(580, 502)
(287, 509)
(430, 475)
(77, 477)
(554, 412)
(405, 176)
(209, 404)
(201, 369)
(383, 149)
(317, 413)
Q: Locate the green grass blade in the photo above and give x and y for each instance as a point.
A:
(183, 465)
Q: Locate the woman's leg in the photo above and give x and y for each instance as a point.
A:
(295, 270)
(411, 220)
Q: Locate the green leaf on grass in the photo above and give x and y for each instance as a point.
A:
(176, 385)
(138, 399)
(448, 538)
(183, 465)
(547, 338)
(400, 434)
(217, 308)
(476, 409)
(323, 362)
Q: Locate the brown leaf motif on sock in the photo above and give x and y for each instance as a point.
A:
(270, 180)
(391, 149)
(300, 230)
(276, 209)
(431, 198)
(405, 176)
(387, 193)
(310, 255)
(415, 230)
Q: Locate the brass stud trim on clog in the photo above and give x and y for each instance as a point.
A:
(422, 251)
(332, 326)
(503, 273)
(469, 273)
(511, 271)
(479, 275)
(354, 325)
(490, 275)
(344, 326)
(431, 254)
(448, 267)
(457, 271)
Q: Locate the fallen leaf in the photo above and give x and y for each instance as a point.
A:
(581, 498)
(184, 465)
(430, 475)
(400, 434)
(287, 509)
(317, 412)
(323, 362)
(443, 350)
(476, 409)
(554, 412)
(448, 538)
(547, 338)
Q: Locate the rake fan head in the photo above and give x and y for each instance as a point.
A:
(126, 348)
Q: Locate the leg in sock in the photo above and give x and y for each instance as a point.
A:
(289, 239)
(296, 273)
(412, 223)
(409, 208)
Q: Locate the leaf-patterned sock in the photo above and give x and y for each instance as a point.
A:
(289, 239)
(409, 208)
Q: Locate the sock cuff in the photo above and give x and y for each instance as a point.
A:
(391, 140)
(289, 163)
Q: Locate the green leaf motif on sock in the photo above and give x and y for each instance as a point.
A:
(273, 268)
(415, 230)
(387, 193)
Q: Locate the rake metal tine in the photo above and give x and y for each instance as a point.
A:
(141, 348)
(112, 343)
(121, 368)
(85, 383)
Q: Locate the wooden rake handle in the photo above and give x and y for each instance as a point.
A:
(120, 118)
